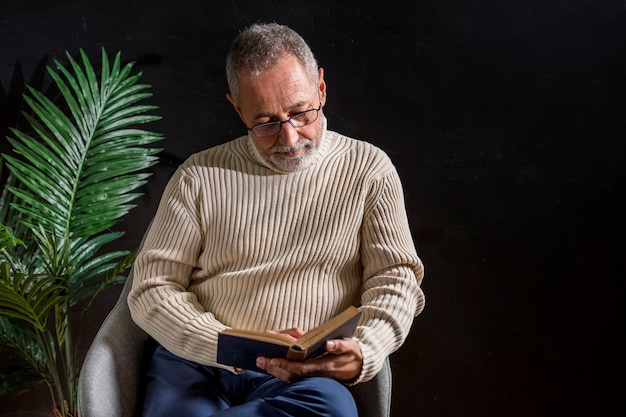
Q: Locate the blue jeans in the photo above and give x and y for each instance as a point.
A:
(177, 387)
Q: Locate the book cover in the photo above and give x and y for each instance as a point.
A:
(240, 348)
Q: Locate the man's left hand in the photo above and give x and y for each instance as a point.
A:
(343, 362)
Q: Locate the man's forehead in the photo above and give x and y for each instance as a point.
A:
(301, 100)
(266, 97)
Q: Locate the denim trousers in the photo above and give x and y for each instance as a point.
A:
(177, 387)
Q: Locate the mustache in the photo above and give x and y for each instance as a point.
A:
(302, 143)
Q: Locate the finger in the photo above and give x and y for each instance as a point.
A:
(294, 332)
(276, 368)
(340, 346)
(341, 367)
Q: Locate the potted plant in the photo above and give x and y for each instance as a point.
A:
(70, 180)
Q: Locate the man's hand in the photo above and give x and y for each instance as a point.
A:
(343, 362)
(292, 334)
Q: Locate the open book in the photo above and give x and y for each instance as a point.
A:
(240, 348)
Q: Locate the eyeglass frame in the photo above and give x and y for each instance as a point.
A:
(280, 123)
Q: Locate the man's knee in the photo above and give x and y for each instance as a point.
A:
(322, 396)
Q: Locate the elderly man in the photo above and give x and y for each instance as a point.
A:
(278, 230)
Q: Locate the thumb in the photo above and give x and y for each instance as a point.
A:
(336, 346)
(331, 345)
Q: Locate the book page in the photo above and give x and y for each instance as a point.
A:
(262, 336)
(313, 335)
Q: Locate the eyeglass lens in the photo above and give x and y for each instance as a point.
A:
(297, 120)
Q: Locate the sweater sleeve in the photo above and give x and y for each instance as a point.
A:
(392, 273)
(159, 301)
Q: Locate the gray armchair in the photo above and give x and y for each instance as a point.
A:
(110, 382)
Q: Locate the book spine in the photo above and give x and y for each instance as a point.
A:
(296, 353)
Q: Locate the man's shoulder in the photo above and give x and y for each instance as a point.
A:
(369, 154)
(220, 152)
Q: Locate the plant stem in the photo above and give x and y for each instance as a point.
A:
(70, 366)
(54, 382)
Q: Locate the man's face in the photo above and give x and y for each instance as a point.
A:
(276, 94)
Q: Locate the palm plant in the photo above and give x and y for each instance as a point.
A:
(70, 181)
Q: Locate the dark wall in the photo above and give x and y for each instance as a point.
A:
(506, 120)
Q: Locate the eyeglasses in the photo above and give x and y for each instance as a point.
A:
(297, 120)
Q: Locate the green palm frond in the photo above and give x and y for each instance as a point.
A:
(99, 275)
(22, 357)
(13, 249)
(8, 238)
(79, 174)
(15, 375)
(78, 171)
(71, 178)
(30, 298)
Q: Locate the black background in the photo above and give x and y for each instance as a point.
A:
(506, 120)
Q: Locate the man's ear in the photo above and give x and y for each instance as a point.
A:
(235, 106)
(321, 84)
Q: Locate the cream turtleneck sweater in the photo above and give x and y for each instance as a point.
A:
(235, 243)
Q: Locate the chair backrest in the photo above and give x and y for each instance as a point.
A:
(111, 378)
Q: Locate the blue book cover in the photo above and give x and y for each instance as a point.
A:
(240, 348)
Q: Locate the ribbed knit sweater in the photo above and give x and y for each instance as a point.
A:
(235, 243)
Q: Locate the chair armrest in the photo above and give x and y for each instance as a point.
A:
(373, 398)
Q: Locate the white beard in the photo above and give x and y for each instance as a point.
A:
(276, 157)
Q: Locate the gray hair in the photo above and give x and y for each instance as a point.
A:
(260, 46)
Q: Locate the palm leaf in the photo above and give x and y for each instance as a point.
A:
(8, 238)
(71, 178)
(13, 249)
(30, 298)
(15, 375)
(76, 152)
(78, 175)
(22, 357)
(111, 277)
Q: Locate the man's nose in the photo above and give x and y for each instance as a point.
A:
(289, 135)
